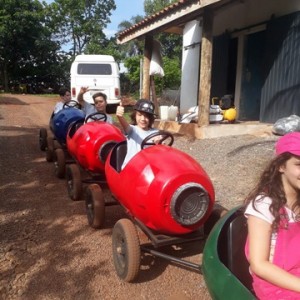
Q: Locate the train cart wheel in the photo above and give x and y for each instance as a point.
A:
(74, 183)
(43, 139)
(126, 250)
(49, 149)
(56, 145)
(59, 163)
(95, 206)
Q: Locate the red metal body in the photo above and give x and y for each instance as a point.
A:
(86, 143)
(146, 185)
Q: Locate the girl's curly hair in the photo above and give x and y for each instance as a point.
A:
(270, 185)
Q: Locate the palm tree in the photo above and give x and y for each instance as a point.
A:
(134, 47)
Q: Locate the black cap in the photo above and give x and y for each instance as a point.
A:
(144, 106)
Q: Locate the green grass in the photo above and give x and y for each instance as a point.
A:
(46, 95)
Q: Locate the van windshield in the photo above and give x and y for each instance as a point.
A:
(94, 69)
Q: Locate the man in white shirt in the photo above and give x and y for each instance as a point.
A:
(65, 96)
(99, 105)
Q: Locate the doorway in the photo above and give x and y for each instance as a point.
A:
(252, 77)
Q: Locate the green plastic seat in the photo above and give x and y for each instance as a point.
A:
(225, 267)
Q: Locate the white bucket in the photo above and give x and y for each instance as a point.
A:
(164, 112)
(173, 111)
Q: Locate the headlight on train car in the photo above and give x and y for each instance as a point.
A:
(189, 204)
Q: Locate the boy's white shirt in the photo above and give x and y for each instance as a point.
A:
(135, 136)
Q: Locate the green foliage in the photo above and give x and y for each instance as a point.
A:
(107, 47)
(126, 24)
(80, 22)
(171, 44)
(153, 6)
(25, 41)
(33, 34)
(133, 51)
(132, 78)
(134, 47)
(172, 76)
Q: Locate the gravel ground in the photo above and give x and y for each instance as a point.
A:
(47, 250)
(233, 163)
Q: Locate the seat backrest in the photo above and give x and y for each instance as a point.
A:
(105, 149)
(74, 126)
(237, 261)
(118, 155)
(121, 153)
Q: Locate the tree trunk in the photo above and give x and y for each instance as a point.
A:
(4, 77)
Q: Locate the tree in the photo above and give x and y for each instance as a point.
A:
(107, 47)
(134, 47)
(25, 40)
(80, 22)
(171, 48)
(171, 43)
(153, 6)
(133, 77)
(172, 76)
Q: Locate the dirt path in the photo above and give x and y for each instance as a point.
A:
(47, 249)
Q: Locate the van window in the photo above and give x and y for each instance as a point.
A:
(94, 69)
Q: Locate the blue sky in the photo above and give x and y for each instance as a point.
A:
(124, 11)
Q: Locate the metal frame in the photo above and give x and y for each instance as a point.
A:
(159, 240)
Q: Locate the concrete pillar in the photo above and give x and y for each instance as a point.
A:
(192, 34)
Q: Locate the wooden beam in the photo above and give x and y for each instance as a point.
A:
(146, 66)
(175, 29)
(205, 68)
(171, 16)
(153, 92)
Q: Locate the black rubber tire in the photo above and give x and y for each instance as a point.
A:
(49, 149)
(95, 206)
(74, 183)
(59, 163)
(43, 139)
(126, 250)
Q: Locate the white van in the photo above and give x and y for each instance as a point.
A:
(100, 73)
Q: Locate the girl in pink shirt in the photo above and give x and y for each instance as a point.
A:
(273, 212)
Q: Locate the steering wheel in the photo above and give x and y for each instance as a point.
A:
(97, 116)
(162, 136)
(72, 104)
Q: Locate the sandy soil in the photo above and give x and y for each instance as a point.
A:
(47, 249)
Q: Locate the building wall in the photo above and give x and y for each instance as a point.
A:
(249, 12)
(281, 89)
(244, 20)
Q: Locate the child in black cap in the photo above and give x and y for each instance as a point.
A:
(142, 121)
